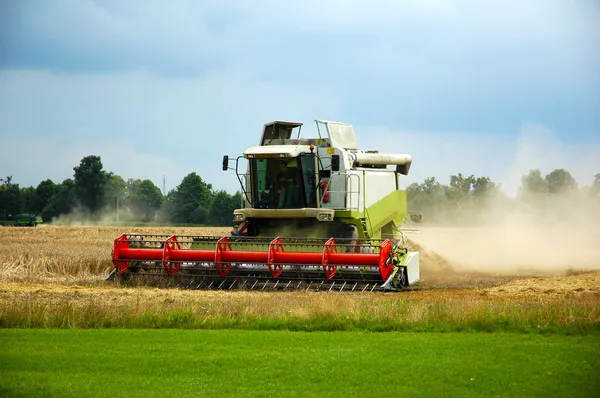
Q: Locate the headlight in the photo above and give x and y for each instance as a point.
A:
(324, 217)
(238, 217)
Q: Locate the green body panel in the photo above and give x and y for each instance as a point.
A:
(378, 221)
(380, 218)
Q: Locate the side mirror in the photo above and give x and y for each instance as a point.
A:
(225, 162)
(335, 162)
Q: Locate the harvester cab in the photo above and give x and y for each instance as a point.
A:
(316, 212)
(317, 187)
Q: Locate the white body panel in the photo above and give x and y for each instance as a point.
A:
(352, 187)
(381, 158)
(356, 188)
(413, 268)
(287, 151)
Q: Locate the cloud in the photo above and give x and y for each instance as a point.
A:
(34, 160)
(504, 157)
(144, 125)
(179, 85)
(191, 36)
(190, 122)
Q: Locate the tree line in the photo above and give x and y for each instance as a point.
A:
(98, 195)
(555, 196)
(95, 194)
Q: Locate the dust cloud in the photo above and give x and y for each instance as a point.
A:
(79, 217)
(553, 235)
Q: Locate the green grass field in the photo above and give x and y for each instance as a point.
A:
(113, 362)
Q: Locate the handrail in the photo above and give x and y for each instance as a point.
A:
(348, 192)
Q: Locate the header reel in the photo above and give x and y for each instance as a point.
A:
(229, 262)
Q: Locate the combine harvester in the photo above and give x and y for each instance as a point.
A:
(317, 213)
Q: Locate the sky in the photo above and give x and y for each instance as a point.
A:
(489, 88)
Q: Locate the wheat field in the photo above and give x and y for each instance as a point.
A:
(53, 276)
(61, 253)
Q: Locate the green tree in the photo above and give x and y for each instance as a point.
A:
(90, 179)
(451, 202)
(114, 189)
(10, 198)
(533, 184)
(458, 196)
(62, 202)
(462, 184)
(222, 207)
(143, 198)
(44, 191)
(432, 187)
(413, 190)
(28, 199)
(426, 197)
(199, 215)
(455, 196)
(560, 181)
(483, 188)
(167, 209)
(114, 194)
(191, 194)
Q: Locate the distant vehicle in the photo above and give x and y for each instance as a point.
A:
(23, 220)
